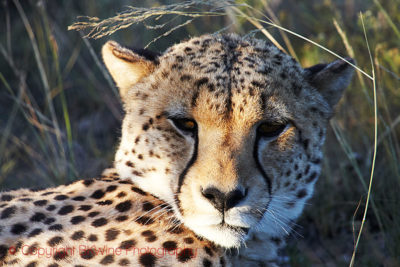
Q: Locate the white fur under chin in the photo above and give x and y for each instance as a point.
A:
(220, 235)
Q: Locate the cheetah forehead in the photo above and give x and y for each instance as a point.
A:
(224, 75)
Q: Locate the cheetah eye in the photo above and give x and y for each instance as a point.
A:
(271, 129)
(184, 124)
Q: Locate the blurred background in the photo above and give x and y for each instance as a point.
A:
(60, 112)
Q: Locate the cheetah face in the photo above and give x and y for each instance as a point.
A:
(228, 131)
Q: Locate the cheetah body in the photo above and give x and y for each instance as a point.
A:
(221, 145)
(97, 222)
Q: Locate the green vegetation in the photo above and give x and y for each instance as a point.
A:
(60, 113)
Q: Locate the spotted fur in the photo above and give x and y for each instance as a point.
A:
(209, 187)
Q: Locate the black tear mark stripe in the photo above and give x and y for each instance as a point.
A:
(183, 174)
(259, 166)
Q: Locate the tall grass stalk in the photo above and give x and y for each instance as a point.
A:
(375, 147)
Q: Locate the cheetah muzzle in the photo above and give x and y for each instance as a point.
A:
(227, 132)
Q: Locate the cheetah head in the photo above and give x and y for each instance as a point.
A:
(227, 130)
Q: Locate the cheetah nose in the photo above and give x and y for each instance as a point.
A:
(222, 201)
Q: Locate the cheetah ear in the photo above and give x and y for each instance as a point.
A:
(331, 79)
(126, 66)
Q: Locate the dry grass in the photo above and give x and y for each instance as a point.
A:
(60, 113)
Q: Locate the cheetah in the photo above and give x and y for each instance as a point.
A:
(221, 147)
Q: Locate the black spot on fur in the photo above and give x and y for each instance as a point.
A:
(186, 77)
(99, 222)
(169, 245)
(112, 234)
(208, 251)
(147, 260)
(144, 220)
(77, 219)
(301, 193)
(66, 209)
(7, 212)
(35, 232)
(151, 238)
(47, 193)
(188, 240)
(6, 197)
(107, 260)
(124, 206)
(77, 235)
(85, 207)
(61, 197)
(37, 217)
(139, 191)
(121, 218)
(32, 249)
(147, 233)
(88, 254)
(49, 221)
(185, 255)
(305, 144)
(147, 206)
(40, 203)
(51, 207)
(124, 262)
(18, 228)
(97, 194)
(127, 244)
(26, 199)
(316, 161)
(54, 241)
(134, 172)
(312, 177)
(121, 194)
(79, 198)
(130, 164)
(56, 227)
(93, 238)
(3, 252)
(105, 202)
(60, 255)
(93, 214)
(207, 263)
